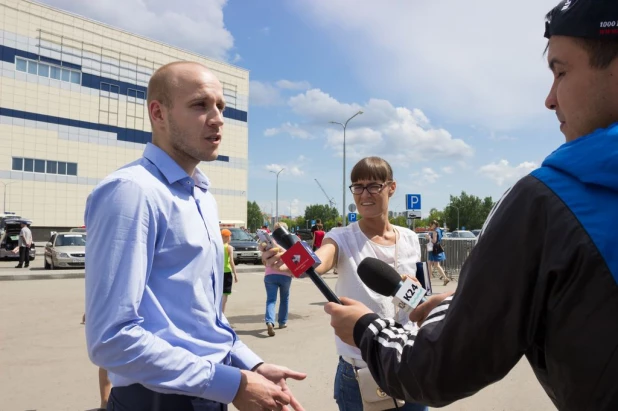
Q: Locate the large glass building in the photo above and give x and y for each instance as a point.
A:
(73, 109)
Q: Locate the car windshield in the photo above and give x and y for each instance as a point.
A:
(240, 235)
(464, 234)
(70, 240)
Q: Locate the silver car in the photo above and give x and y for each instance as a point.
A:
(65, 250)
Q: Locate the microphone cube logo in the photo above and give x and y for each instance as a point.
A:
(409, 295)
(299, 259)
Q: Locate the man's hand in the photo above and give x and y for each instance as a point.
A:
(343, 318)
(257, 393)
(420, 313)
(278, 375)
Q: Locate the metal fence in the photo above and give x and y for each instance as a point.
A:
(457, 251)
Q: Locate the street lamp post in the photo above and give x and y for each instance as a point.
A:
(5, 185)
(344, 125)
(277, 195)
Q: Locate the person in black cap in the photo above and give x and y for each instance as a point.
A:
(543, 279)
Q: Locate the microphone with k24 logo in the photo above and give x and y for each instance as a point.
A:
(300, 260)
(385, 280)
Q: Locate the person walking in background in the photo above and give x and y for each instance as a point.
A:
(24, 244)
(437, 254)
(229, 268)
(318, 236)
(277, 281)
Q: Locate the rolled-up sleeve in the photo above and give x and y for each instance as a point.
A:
(122, 227)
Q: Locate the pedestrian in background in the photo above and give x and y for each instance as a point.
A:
(24, 244)
(229, 268)
(277, 281)
(437, 254)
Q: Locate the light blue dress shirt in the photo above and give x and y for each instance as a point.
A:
(154, 282)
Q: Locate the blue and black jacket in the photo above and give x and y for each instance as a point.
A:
(541, 282)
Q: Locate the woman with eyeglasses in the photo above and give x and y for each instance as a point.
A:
(344, 248)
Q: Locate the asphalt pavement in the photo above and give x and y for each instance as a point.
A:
(44, 365)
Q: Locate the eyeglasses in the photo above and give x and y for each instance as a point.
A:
(373, 188)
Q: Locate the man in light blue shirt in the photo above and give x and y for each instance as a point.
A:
(154, 268)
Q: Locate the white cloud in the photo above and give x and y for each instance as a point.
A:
(501, 172)
(265, 30)
(264, 94)
(293, 85)
(447, 170)
(290, 169)
(426, 176)
(500, 137)
(174, 23)
(270, 94)
(399, 134)
(480, 61)
(290, 129)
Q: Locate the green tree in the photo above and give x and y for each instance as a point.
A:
(434, 214)
(472, 211)
(329, 215)
(254, 216)
(400, 221)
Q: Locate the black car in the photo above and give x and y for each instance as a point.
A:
(245, 247)
(305, 234)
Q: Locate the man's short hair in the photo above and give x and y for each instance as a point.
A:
(162, 83)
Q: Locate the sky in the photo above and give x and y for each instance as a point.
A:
(452, 92)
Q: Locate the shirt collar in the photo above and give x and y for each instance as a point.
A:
(170, 168)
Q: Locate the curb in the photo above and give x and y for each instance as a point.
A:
(24, 277)
(69, 276)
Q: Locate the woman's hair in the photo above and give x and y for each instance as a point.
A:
(281, 224)
(372, 168)
(320, 226)
(435, 222)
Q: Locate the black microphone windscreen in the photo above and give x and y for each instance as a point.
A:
(284, 239)
(379, 276)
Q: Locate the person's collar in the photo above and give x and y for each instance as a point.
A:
(170, 168)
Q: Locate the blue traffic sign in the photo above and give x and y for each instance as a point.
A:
(413, 201)
(312, 222)
(352, 217)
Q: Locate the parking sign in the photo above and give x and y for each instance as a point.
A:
(413, 201)
(352, 217)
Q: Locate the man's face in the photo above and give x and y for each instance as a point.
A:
(195, 120)
(584, 98)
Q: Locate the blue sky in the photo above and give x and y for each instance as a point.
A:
(452, 92)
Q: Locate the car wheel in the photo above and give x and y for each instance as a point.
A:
(236, 262)
(257, 262)
(46, 264)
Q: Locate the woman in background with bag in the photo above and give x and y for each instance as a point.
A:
(436, 255)
(344, 248)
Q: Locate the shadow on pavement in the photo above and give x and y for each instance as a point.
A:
(261, 333)
(256, 319)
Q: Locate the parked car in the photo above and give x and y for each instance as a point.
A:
(459, 234)
(245, 247)
(9, 239)
(476, 232)
(305, 234)
(78, 230)
(66, 250)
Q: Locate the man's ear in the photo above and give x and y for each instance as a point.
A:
(157, 113)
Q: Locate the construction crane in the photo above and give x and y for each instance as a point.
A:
(330, 200)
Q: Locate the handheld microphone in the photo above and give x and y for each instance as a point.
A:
(385, 280)
(300, 259)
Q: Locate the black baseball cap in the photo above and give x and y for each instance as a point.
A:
(594, 19)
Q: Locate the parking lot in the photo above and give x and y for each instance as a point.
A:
(45, 366)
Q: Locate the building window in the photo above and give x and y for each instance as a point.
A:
(47, 70)
(39, 166)
(28, 164)
(52, 167)
(44, 166)
(18, 163)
